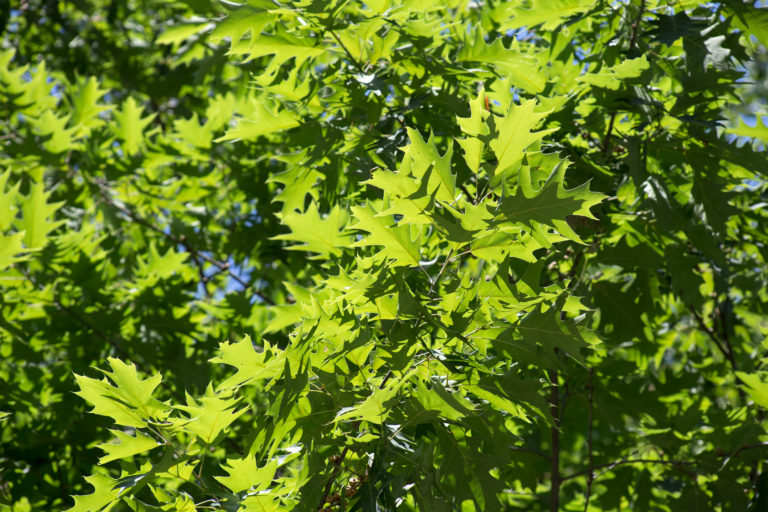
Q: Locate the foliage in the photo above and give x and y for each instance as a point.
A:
(386, 255)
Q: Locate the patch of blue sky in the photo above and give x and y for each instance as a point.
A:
(57, 91)
(521, 34)
(242, 271)
(749, 119)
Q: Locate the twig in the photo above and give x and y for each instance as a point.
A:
(607, 139)
(737, 451)
(463, 188)
(182, 240)
(201, 275)
(611, 465)
(724, 336)
(337, 465)
(339, 459)
(440, 273)
(574, 268)
(715, 339)
(82, 321)
(555, 436)
(530, 450)
(385, 379)
(636, 26)
(591, 477)
(346, 50)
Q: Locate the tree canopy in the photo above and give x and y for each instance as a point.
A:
(464, 255)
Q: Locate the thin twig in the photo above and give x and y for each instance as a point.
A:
(715, 339)
(737, 451)
(440, 273)
(346, 50)
(591, 477)
(201, 275)
(338, 460)
(677, 464)
(607, 139)
(83, 321)
(182, 240)
(724, 336)
(336, 466)
(636, 26)
(621, 462)
(555, 436)
(463, 188)
(530, 450)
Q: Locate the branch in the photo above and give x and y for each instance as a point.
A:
(98, 332)
(726, 349)
(677, 464)
(530, 450)
(83, 321)
(346, 50)
(718, 313)
(182, 240)
(336, 466)
(611, 465)
(737, 451)
(555, 436)
(337, 460)
(607, 139)
(440, 273)
(636, 26)
(713, 336)
(591, 477)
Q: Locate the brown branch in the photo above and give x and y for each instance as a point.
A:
(98, 332)
(81, 320)
(725, 348)
(574, 268)
(463, 188)
(677, 464)
(385, 379)
(201, 275)
(748, 447)
(440, 273)
(182, 240)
